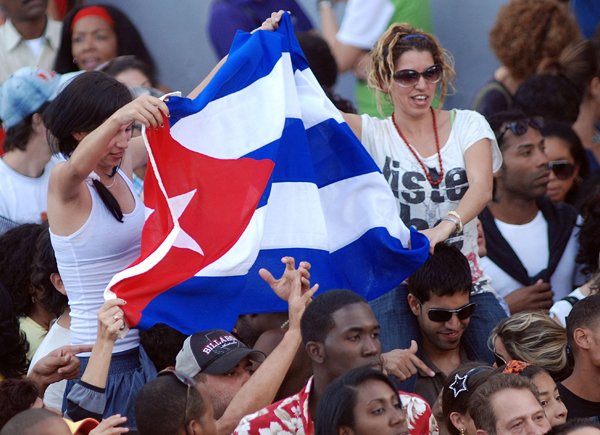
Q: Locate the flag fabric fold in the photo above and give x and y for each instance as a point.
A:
(259, 166)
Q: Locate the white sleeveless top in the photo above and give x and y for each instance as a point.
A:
(89, 258)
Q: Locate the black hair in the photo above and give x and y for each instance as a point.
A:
(16, 396)
(44, 265)
(13, 342)
(162, 343)
(497, 120)
(445, 273)
(453, 402)
(324, 67)
(563, 131)
(125, 63)
(317, 319)
(18, 135)
(336, 405)
(589, 233)
(89, 100)
(573, 425)
(160, 406)
(128, 39)
(585, 314)
(549, 96)
(17, 249)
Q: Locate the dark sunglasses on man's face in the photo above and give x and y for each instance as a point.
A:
(563, 169)
(409, 77)
(442, 315)
(520, 127)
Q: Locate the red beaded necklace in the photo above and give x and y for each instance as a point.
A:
(437, 146)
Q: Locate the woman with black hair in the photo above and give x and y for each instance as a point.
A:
(361, 402)
(93, 35)
(53, 297)
(95, 218)
(13, 343)
(568, 162)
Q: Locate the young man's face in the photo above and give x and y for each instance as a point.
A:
(525, 165)
(443, 335)
(518, 412)
(354, 340)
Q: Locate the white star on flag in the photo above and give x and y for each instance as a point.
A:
(178, 204)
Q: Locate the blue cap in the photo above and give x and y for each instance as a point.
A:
(25, 91)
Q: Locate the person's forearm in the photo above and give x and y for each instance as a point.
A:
(208, 78)
(261, 388)
(96, 371)
(475, 200)
(329, 24)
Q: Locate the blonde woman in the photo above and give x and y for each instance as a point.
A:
(532, 337)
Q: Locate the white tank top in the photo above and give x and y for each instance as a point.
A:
(89, 258)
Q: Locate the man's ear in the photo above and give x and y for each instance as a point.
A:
(581, 338)
(57, 282)
(316, 351)
(193, 428)
(37, 124)
(414, 305)
(481, 432)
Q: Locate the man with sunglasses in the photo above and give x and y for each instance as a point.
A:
(531, 241)
(439, 297)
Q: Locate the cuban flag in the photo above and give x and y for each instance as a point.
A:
(259, 166)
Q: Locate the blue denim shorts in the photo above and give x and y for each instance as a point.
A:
(129, 371)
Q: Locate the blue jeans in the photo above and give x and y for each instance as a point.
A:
(399, 326)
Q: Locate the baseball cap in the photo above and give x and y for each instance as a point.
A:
(25, 91)
(82, 427)
(214, 352)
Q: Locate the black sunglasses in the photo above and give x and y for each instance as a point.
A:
(563, 169)
(499, 360)
(520, 127)
(442, 315)
(409, 77)
(185, 380)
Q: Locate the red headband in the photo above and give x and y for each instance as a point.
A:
(96, 11)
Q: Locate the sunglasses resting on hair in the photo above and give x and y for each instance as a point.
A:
(409, 77)
(520, 127)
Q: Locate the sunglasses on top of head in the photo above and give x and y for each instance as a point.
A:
(563, 169)
(442, 315)
(185, 380)
(409, 77)
(521, 126)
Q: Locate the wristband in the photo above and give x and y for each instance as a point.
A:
(455, 217)
(326, 3)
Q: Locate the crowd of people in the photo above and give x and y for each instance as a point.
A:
(496, 333)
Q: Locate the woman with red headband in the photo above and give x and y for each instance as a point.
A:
(93, 35)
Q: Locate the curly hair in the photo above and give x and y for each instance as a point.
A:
(17, 249)
(13, 343)
(535, 338)
(392, 45)
(44, 265)
(527, 31)
(16, 395)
